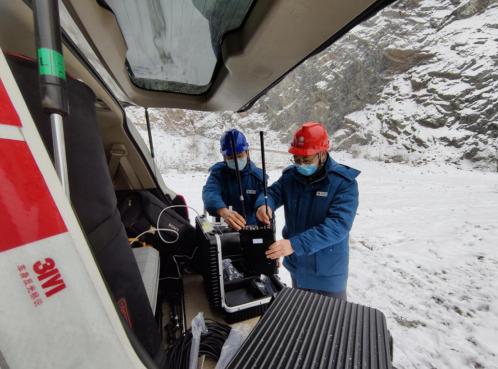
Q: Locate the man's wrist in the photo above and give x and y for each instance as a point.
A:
(223, 212)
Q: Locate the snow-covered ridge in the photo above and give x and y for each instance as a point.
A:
(416, 83)
(443, 106)
(194, 143)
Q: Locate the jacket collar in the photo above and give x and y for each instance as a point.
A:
(331, 167)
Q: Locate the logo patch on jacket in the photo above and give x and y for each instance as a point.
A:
(251, 192)
(322, 193)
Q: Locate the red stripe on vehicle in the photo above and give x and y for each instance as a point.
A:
(8, 114)
(28, 211)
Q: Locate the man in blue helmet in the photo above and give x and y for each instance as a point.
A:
(221, 190)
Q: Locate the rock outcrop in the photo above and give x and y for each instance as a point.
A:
(417, 82)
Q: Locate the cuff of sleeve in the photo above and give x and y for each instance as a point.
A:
(261, 201)
(297, 246)
(213, 209)
(271, 204)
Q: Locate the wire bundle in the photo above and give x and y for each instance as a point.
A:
(157, 231)
(211, 345)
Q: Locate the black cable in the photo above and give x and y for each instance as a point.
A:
(211, 344)
(237, 174)
(184, 309)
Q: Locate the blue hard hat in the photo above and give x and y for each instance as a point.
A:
(239, 139)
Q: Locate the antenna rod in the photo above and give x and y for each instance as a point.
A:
(237, 174)
(151, 144)
(265, 189)
(147, 120)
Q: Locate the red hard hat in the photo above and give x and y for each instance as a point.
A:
(310, 139)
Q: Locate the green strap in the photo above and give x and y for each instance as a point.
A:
(51, 63)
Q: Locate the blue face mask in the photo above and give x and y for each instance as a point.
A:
(242, 162)
(306, 169)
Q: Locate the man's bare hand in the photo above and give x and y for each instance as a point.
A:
(278, 249)
(262, 215)
(232, 218)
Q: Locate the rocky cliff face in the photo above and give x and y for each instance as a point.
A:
(418, 82)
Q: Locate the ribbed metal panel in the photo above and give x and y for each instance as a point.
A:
(211, 270)
(309, 331)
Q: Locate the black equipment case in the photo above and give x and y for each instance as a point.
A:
(241, 298)
(306, 330)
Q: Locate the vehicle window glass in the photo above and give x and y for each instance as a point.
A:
(174, 45)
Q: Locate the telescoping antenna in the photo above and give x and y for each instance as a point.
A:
(237, 174)
(256, 239)
(265, 185)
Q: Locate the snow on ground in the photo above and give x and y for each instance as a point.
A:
(424, 250)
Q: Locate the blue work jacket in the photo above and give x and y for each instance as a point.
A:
(221, 189)
(318, 217)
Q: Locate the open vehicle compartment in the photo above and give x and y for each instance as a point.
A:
(359, 332)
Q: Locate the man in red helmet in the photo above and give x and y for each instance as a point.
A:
(320, 198)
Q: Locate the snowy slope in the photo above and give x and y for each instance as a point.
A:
(416, 83)
(440, 92)
(178, 149)
(423, 251)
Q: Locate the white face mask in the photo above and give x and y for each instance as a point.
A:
(242, 162)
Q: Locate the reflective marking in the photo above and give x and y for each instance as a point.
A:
(51, 63)
(8, 114)
(28, 210)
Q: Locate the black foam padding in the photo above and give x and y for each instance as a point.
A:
(93, 198)
(306, 330)
(240, 316)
